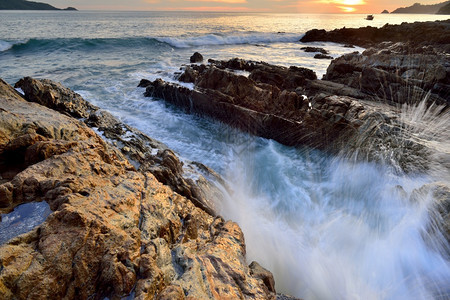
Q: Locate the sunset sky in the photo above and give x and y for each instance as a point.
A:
(290, 6)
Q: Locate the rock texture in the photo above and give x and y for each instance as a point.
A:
(419, 33)
(114, 231)
(145, 153)
(396, 73)
(292, 107)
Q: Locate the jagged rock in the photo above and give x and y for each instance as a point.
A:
(396, 73)
(113, 230)
(142, 151)
(196, 58)
(280, 104)
(315, 49)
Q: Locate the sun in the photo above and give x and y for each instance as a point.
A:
(350, 2)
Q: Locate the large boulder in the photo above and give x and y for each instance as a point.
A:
(114, 231)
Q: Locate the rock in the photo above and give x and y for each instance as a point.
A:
(418, 8)
(385, 12)
(259, 272)
(196, 58)
(444, 10)
(349, 46)
(395, 72)
(114, 230)
(315, 49)
(322, 56)
(144, 83)
(339, 115)
(55, 96)
(141, 150)
(419, 33)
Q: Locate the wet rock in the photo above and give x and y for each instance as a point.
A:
(144, 83)
(315, 49)
(395, 74)
(196, 58)
(339, 115)
(113, 229)
(322, 56)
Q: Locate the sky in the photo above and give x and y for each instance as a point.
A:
(276, 6)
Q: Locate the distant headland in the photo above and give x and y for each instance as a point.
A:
(418, 8)
(28, 5)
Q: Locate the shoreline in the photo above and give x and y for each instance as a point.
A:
(128, 195)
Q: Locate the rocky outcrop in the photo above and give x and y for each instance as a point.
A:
(295, 109)
(444, 10)
(114, 231)
(29, 5)
(394, 74)
(417, 34)
(418, 8)
(144, 153)
(385, 11)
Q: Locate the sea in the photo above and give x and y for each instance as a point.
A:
(328, 227)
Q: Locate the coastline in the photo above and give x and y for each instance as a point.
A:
(171, 239)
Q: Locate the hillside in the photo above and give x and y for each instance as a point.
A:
(28, 5)
(418, 8)
(445, 10)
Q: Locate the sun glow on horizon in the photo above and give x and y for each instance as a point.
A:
(347, 9)
(346, 6)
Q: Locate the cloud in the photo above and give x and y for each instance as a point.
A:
(222, 1)
(209, 8)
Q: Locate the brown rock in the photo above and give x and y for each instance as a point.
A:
(112, 228)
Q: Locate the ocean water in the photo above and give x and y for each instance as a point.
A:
(327, 227)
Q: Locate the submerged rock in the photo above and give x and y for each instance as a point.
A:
(315, 49)
(322, 56)
(113, 230)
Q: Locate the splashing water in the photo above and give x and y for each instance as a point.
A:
(329, 228)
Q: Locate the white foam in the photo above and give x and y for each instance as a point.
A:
(5, 45)
(233, 39)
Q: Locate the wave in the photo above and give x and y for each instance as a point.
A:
(6, 45)
(76, 44)
(129, 42)
(233, 39)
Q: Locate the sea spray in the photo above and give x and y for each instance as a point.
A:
(351, 234)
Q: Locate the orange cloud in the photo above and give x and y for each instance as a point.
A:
(209, 8)
(223, 1)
